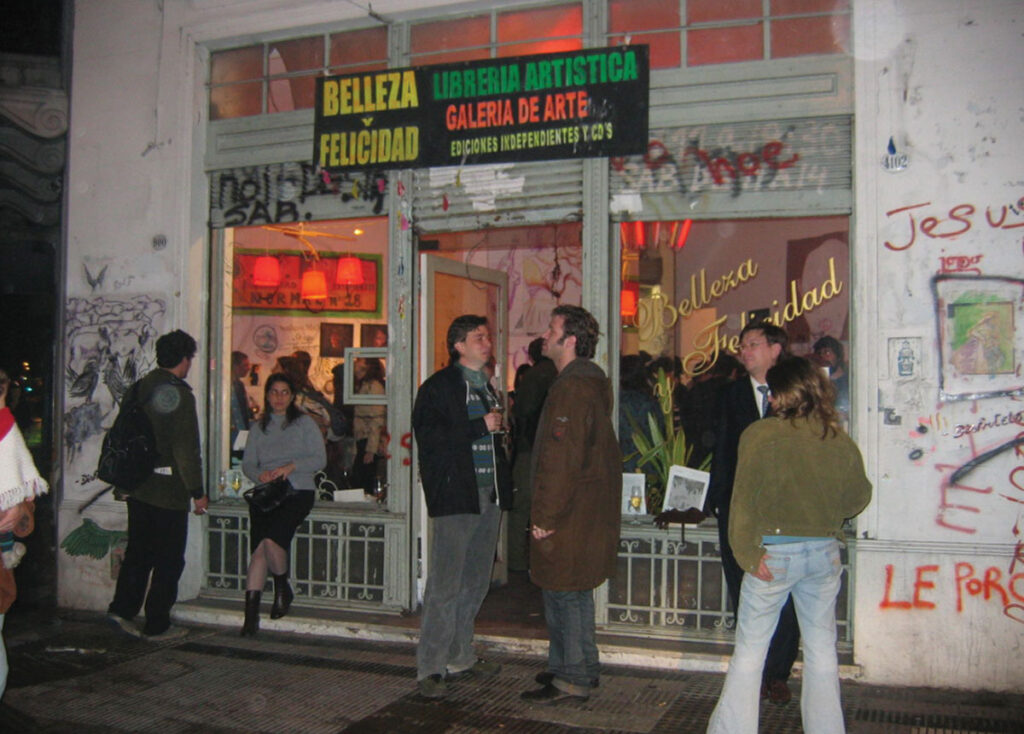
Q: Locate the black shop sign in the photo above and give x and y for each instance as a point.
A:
(580, 104)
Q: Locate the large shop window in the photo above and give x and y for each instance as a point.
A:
(689, 287)
(309, 300)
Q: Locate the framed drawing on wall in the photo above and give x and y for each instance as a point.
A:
(980, 347)
(686, 488)
(335, 339)
(373, 336)
(352, 356)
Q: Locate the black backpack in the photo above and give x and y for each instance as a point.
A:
(128, 456)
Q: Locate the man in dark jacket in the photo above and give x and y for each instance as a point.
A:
(741, 403)
(467, 483)
(577, 487)
(158, 508)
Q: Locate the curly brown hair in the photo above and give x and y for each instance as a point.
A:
(802, 390)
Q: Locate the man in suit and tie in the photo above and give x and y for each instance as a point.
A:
(741, 403)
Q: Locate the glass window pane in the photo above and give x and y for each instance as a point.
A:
(639, 15)
(450, 57)
(285, 95)
(235, 65)
(805, 36)
(360, 48)
(706, 11)
(665, 48)
(445, 35)
(724, 45)
(528, 25)
(789, 7)
(236, 100)
(541, 47)
(300, 54)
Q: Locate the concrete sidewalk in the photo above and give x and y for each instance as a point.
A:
(76, 673)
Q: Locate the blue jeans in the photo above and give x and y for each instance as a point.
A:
(572, 648)
(811, 572)
(459, 576)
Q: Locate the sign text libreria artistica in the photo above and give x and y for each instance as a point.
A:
(581, 104)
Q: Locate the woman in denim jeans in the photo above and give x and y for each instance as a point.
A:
(799, 476)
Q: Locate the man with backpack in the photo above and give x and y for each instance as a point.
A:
(158, 505)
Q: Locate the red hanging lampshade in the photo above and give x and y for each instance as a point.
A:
(314, 286)
(267, 272)
(350, 271)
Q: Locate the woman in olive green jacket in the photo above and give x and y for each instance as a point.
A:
(798, 478)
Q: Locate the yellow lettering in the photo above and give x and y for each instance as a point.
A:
(330, 99)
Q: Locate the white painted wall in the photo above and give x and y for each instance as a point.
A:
(944, 80)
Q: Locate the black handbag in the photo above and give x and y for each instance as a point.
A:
(270, 495)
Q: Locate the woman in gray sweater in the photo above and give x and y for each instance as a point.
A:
(285, 443)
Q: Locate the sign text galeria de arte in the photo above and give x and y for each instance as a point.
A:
(581, 104)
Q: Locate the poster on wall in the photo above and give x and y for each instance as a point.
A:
(286, 297)
(980, 347)
(579, 104)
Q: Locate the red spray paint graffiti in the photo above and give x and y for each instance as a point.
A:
(960, 221)
(987, 586)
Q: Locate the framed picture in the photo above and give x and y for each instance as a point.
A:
(352, 357)
(634, 494)
(686, 488)
(373, 336)
(980, 347)
(335, 339)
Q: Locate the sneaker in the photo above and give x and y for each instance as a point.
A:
(124, 625)
(480, 667)
(433, 686)
(171, 633)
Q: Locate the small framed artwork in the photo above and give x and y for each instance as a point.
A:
(686, 488)
(335, 339)
(369, 387)
(373, 336)
(634, 494)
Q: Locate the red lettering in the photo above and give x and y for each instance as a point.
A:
(748, 163)
(967, 210)
(770, 153)
(920, 583)
(992, 578)
(913, 225)
(962, 572)
(886, 603)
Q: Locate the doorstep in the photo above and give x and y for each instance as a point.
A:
(631, 651)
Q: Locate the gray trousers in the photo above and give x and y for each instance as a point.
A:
(459, 575)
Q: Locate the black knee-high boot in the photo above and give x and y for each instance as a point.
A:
(282, 596)
(251, 625)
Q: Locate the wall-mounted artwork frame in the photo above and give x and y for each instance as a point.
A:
(350, 396)
(373, 336)
(686, 488)
(335, 338)
(980, 346)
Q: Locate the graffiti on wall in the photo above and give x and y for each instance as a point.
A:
(284, 192)
(738, 158)
(110, 343)
(970, 585)
(950, 223)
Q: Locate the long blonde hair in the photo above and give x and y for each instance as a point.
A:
(802, 390)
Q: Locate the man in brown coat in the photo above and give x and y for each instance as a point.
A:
(577, 482)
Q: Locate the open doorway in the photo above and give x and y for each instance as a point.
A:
(543, 269)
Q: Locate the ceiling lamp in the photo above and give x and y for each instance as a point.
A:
(350, 271)
(267, 272)
(314, 286)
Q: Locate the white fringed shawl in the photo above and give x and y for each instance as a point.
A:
(19, 478)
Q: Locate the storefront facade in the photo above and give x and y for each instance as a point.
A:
(764, 146)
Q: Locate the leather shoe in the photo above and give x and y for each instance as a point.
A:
(547, 676)
(776, 691)
(550, 694)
